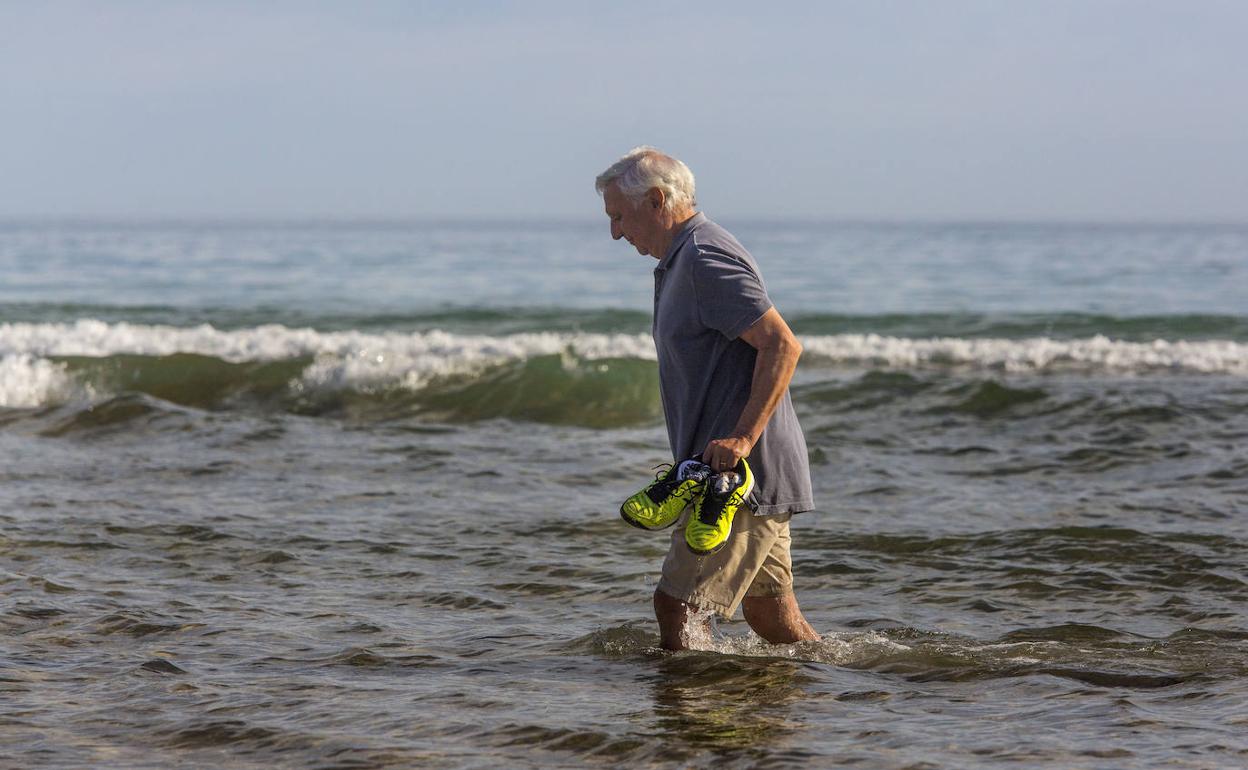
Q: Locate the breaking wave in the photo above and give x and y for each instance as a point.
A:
(474, 376)
(1094, 354)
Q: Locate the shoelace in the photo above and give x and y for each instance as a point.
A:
(665, 481)
(668, 477)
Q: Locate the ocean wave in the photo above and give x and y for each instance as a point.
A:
(43, 363)
(347, 359)
(1095, 354)
(48, 363)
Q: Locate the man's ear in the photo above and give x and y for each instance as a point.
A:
(655, 197)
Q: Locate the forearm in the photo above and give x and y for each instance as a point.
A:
(773, 370)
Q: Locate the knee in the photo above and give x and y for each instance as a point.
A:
(672, 615)
(661, 600)
(777, 619)
(670, 610)
(758, 613)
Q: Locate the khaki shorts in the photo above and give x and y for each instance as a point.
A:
(754, 562)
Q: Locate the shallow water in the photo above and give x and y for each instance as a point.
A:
(352, 538)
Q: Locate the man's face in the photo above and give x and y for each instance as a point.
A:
(635, 224)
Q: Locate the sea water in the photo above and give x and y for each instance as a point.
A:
(344, 495)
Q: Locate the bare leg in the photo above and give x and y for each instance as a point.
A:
(778, 619)
(673, 616)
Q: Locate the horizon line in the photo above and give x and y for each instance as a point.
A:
(382, 220)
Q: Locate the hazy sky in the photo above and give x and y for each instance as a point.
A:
(1051, 109)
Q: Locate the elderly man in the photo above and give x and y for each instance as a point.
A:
(726, 357)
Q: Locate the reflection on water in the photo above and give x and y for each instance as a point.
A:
(708, 701)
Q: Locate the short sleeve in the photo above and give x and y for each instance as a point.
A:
(731, 296)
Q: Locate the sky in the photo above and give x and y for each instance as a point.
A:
(1084, 110)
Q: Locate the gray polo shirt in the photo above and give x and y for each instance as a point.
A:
(707, 291)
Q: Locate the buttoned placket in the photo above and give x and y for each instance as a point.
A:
(661, 270)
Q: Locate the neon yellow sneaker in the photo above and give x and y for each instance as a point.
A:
(659, 505)
(711, 522)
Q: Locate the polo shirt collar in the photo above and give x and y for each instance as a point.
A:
(682, 235)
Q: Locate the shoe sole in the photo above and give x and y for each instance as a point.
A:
(706, 553)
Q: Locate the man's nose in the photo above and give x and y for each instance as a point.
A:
(616, 232)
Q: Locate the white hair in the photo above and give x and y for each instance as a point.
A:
(643, 168)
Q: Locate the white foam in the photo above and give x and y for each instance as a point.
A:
(1033, 355)
(26, 381)
(701, 633)
(274, 342)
